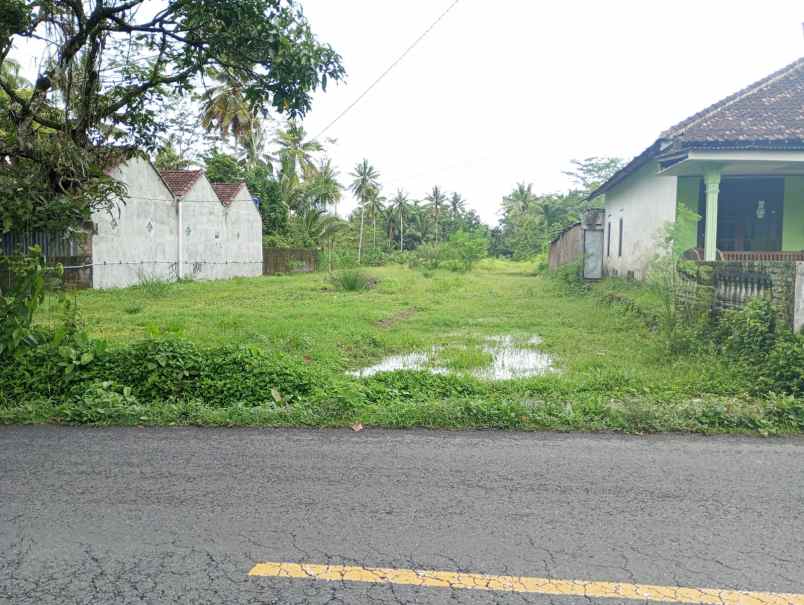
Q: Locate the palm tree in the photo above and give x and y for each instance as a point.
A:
(296, 155)
(419, 225)
(226, 110)
(520, 199)
(376, 204)
(365, 181)
(457, 205)
(323, 188)
(399, 207)
(437, 200)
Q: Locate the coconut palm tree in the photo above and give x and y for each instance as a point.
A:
(419, 225)
(324, 190)
(457, 205)
(366, 180)
(296, 154)
(520, 199)
(437, 200)
(376, 205)
(399, 209)
(224, 109)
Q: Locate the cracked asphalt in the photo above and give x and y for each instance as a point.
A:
(131, 515)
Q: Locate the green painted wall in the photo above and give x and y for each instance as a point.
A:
(688, 191)
(793, 230)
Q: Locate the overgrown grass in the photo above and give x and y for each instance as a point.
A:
(351, 280)
(614, 372)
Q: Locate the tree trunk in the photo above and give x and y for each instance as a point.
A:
(360, 243)
(401, 233)
(374, 229)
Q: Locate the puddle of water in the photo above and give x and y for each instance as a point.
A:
(408, 361)
(512, 357)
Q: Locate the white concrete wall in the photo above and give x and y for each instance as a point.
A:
(243, 236)
(645, 202)
(202, 236)
(220, 242)
(139, 238)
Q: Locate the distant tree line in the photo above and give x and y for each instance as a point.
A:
(530, 220)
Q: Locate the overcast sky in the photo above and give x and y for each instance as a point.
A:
(511, 90)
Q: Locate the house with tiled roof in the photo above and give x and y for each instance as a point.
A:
(737, 164)
(171, 225)
(220, 226)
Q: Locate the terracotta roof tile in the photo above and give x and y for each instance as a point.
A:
(227, 192)
(768, 115)
(770, 111)
(180, 181)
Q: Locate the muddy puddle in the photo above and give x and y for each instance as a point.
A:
(510, 357)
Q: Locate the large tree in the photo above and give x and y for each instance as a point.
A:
(87, 107)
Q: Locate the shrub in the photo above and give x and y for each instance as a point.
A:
(570, 278)
(351, 280)
(154, 286)
(771, 357)
(783, 370)
(463, 250)
(750, 331)
(18, 303)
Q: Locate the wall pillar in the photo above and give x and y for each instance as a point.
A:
(712, 181)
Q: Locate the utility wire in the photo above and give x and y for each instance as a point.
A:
(388, 70)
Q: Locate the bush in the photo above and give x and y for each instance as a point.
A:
(351, 280)
(570, 278)
(783, 371)
(749, 332)
(161, 370)
(770, 356)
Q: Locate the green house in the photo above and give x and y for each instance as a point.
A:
(738, 164)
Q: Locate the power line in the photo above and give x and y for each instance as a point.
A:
(390, 67)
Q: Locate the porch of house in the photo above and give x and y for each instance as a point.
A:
(750, 204)
(751, 228)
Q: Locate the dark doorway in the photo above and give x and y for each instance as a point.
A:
(749, 215)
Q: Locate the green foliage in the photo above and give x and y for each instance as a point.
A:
(530, 221)
(223, 168)
(92, 105)
(749, 332)
(570, 278)
(681, 325)
(769, 354)
(18, 304)
(464, 249)
(282, 362)
(460, 253)
(351, 280)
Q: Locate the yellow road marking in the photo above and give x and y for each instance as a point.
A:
(546, 586)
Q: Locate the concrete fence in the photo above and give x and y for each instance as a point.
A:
(722, 285)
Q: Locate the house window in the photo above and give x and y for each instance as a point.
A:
(608, 241)
(620, 242)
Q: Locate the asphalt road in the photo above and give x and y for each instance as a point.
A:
(182, 515)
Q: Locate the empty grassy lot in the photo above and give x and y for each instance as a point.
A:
(405, 311)
(609, 371)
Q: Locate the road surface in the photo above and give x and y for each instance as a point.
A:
(190, 515)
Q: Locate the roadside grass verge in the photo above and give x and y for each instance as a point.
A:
(274, 351)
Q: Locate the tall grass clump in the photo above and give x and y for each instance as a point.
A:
(351, 280)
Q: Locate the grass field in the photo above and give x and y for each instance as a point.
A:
(609, 371)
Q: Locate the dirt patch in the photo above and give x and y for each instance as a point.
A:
(402, 315)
